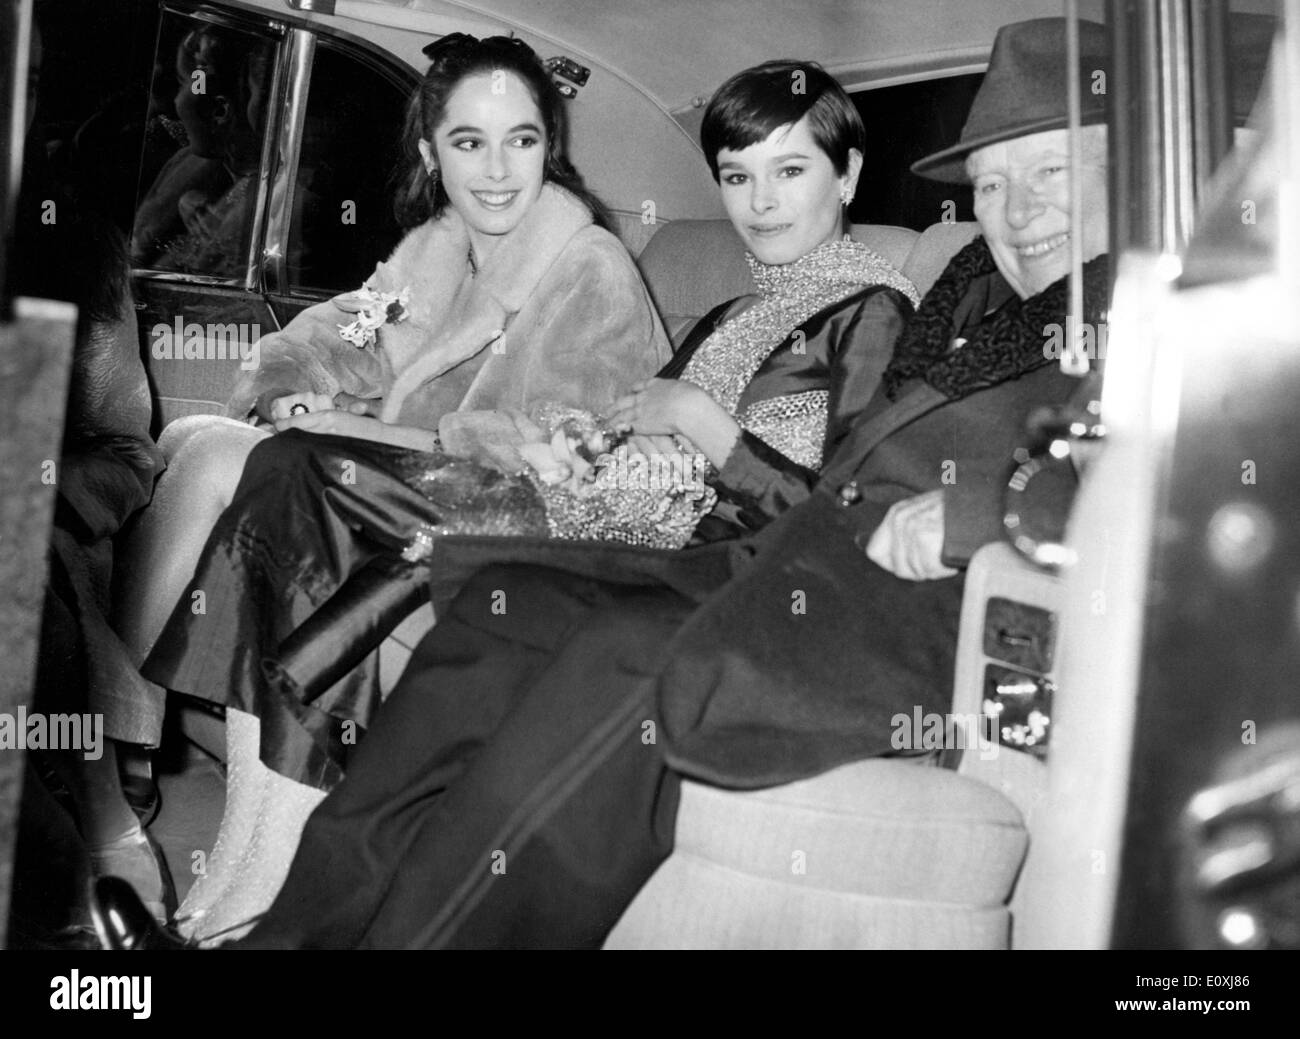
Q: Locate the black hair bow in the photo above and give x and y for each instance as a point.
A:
(454, 40)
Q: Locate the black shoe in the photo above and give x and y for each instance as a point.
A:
(139, 848)
(123, 922)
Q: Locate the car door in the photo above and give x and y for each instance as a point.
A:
(264, 174)
(1160, 829)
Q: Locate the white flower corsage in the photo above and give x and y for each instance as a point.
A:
(377, 309)
(573, 456)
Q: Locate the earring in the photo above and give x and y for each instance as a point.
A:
(432, 171)
(846, 196)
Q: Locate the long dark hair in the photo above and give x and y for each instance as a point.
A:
(454, 58)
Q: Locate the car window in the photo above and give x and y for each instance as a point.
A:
(1238, 231)
(905, 123)
(1231, 47)
(92, 98)
(342, 222)
(202, 148)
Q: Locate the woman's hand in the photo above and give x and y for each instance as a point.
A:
(334, 422)
(657, 406)
(362, 427)
(664, 407)
(351, 302)
(282, 407)
(358, 405)
(655, 445)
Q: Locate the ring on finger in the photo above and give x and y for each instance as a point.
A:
(299, 409)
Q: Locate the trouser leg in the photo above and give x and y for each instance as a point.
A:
(565, 870)
(461, 683)
(563, 817)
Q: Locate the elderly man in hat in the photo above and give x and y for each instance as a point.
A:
(521, 783)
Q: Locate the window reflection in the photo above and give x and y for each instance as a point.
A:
(204, 133)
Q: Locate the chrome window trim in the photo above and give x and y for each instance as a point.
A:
(1176, 124)
(1286, 92)
(1210, 82)
(234, 15)
(256, 237)
(154, 274)
(293, 86)
(1151, 126)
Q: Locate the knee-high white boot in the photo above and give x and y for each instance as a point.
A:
(263, 820)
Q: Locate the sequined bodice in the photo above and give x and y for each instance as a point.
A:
(789, 294)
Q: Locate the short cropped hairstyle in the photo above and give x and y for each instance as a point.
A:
(751, 104)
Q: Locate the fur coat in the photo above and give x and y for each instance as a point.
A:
(557, 312)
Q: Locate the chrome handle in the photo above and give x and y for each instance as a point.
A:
(1241, 841)
(1039, 491)
(1020, 705)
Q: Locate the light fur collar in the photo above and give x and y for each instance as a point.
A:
(455, 326)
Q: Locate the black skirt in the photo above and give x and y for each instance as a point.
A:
(304, 575)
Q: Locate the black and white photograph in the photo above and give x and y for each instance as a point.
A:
(715, 475)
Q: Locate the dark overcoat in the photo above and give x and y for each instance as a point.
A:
(800, 649)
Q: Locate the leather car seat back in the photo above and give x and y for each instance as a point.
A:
(693, 265)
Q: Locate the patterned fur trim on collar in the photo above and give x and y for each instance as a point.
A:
(1006, 345)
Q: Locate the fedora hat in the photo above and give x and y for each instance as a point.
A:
(1025, 91)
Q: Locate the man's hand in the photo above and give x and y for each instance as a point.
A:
(909, 541)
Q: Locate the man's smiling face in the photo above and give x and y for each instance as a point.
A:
(1022, 203)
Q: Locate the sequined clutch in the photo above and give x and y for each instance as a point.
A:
(662, 514)
(473, 499)
(603, 492)
(592, 494)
